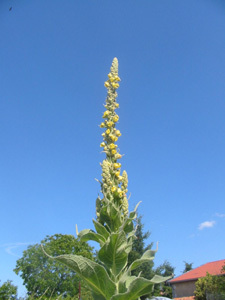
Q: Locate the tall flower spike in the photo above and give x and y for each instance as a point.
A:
(112, 182)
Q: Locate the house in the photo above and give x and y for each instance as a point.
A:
(183, 286)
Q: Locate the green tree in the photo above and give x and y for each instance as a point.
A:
(8, 291)
(188, 267)
(43, 277)
(211, 285)
(138, 249)
(165, 270)
(111, 278)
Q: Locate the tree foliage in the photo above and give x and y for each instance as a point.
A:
(8, 291)
(211, 285)
(188, 267)
(48, 278)
(165, 269)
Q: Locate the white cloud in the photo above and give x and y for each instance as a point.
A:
(206, 224)
(12, 246)
(220, 215)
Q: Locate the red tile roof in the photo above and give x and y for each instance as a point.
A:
(213, 268)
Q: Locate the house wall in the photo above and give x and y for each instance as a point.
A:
(183, 289)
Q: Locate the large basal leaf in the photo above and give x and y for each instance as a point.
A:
(93, 274)
(113, 253)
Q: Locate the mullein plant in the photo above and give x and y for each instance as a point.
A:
(111, 278)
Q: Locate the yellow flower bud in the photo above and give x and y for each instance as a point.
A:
(113, 151)
(118, 156)
(117, 78)
(103, 134)
(102, 125)
(108, 131)
(117, 105)
(119, 190)
(109, 75)
(120, 178)
(102, 145)
(121, 194)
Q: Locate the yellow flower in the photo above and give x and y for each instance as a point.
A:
(108, 131)
(118, 156)
(118, 133)
(103, 134)
(102, 145)
(116, 165)
(106, 113)
(102, 125)
(109, 75)
(119, 190)
(115, 118)
(112, 146)
(121, 194)
(115, 85)
(117, 78)
(113, 137)
(113, 189)
(107, 84)
(120, 178)
(117, 105)
(110, 124)
(113, 151)
(117, 173)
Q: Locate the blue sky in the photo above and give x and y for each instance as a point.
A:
(55, 57)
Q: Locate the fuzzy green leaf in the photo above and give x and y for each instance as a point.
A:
(89, 235)
(101, 229)
(137, 288)
(146, 257)
(113, 253)
(92, 273)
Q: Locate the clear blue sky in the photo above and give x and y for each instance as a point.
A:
(54, 59)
